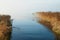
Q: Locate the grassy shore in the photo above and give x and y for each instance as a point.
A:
(50, 20)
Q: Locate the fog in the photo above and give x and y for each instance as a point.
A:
(21, 9)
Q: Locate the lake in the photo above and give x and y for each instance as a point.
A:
(30, 30)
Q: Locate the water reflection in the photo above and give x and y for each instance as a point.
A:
(30, 30)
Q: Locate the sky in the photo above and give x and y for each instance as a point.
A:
(20, 9)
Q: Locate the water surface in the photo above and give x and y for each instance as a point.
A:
(30, 30)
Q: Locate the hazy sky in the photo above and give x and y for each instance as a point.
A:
(20, 9)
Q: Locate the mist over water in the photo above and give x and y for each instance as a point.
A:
(28, 29)
(21, 11)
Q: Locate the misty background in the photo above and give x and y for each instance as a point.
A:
(22, 9)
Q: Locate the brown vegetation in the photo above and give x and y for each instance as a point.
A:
(51, 20)
(5, 27)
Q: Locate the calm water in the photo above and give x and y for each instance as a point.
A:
(30, 30)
